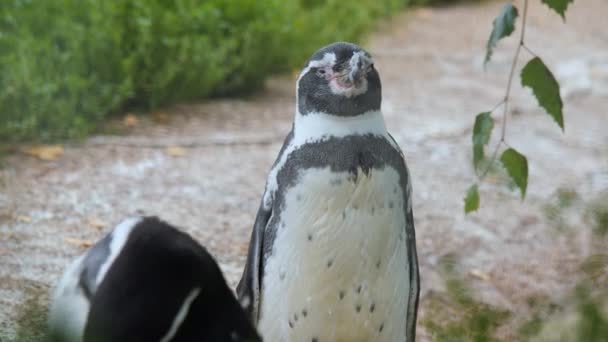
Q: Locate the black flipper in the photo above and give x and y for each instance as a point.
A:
(412, 306)
(412, 259)
(248, 289)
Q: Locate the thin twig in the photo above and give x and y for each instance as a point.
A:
(497, 105)
(492, 160)
(506, 99)
(512, 73)
(529, 51)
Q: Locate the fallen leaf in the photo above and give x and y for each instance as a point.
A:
(243, 248)
(424, 13)
(130, 120)
(79, 242)
(24, 219)
(161, 118)
(44, 152)
(176, 151)
(96, 223)
(479, 274)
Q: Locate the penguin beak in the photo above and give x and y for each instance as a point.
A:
(358, 67)
(351, 80)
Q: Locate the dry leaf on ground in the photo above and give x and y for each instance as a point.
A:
(96, 223)
(24, 219)
(479, 274)
(130, 120)
(176, 151)
(161, 118)
(424, 13)
(79, 242)
(44, 152)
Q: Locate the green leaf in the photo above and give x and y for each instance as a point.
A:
(503, 26)
(517, 168)
(481, 135)
(471, 201)
(537, 76)
(558, 6)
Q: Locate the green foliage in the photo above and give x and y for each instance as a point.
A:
(481, 135)
(516, 165)
(595, 267)
(566, 197)
(541, 309)
(67, 64)
(559, 6)
(56, 75)
(556, 209)
(503, 26)
(598, 210)
(457, 316)
(439, 2)
(537, 76)
(471, 201)
(593, 323)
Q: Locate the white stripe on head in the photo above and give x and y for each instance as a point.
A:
(181, 315)
(362, 56)
(329, 58)
(120, 235)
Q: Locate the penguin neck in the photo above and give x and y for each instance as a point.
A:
(319, 126)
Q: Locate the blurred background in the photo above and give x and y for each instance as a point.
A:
(178, 109)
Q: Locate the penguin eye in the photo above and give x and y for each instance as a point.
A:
(321, 72)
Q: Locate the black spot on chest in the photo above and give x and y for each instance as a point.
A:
(364, 161)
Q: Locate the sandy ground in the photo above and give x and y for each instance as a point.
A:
(434, 83)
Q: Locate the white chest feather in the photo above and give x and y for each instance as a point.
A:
(338, 271)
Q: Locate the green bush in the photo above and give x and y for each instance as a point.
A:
(59, 68)
(66, 64)
(440, 2)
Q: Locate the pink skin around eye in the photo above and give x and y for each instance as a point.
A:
(333, 78)
(329, 75)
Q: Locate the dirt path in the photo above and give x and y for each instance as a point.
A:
(433, 80)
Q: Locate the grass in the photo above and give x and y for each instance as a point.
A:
(456, 316)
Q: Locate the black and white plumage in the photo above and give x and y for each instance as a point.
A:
(332, 255)
(146, 281)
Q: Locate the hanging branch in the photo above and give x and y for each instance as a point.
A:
(535, 75)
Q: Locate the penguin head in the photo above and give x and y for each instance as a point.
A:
(164, 285)
(339, 79)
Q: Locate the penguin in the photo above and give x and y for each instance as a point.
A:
(146, 281)
(332, 255)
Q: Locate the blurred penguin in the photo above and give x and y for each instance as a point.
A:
(146, 281)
